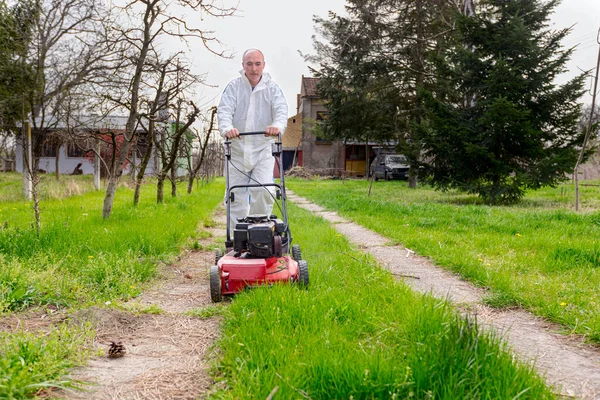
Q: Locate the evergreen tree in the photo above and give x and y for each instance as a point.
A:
(348, 81)
(498, 124)
(15, 74)
(372, 64)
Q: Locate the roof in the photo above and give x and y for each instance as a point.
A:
(309, 87)
(111, 122)
(292, 137)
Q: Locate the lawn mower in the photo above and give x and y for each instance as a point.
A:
(257, 247)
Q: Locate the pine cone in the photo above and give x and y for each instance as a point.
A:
(116, 350)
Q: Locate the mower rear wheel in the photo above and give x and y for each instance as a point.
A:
(303, 273)
(296, 253)
(218, 255)
(215, 284)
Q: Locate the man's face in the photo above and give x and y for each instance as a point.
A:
(253, 65)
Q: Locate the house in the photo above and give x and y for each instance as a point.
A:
(70, 153)
(317, 153)
(334, 157)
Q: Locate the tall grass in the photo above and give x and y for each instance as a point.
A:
(540, 254)
(357, 333)
(11, 186)
(78, 257)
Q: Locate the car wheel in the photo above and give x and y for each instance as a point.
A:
(387, 177)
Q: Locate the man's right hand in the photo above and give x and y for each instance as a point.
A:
(232, 133)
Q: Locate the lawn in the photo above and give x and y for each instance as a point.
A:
(540, 254)
(358, 333)
(79, 260)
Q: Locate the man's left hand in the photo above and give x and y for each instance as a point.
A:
(272, 131)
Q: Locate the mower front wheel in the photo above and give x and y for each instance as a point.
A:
(303, 273)
(215, 284)
(296, 253)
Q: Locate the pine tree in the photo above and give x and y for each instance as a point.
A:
(372, 64)
(498, 124)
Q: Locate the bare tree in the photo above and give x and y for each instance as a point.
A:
(168, 82)
(148, 22)
(194, 165)
(170, 144)
(66, 50)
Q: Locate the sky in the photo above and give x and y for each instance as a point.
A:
(281, 28)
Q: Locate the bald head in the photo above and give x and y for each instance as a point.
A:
(253, 63)
(252, 51)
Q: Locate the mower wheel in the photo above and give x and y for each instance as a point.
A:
(303, 273)
(277, 246)
(218, 255)
(296, 253)
(215, 284)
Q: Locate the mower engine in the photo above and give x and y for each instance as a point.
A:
(258, 236)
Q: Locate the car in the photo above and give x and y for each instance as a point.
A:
(391, 166)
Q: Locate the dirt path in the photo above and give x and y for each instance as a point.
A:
(166, 353)
(572, 367)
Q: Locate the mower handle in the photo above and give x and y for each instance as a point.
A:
(252, 133)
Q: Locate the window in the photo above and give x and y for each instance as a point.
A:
(49, 147)
(76, 149)
(322, 116)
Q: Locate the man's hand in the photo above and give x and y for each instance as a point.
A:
(272, 131)
(232, 133)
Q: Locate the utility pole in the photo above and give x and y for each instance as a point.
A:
(589, 127)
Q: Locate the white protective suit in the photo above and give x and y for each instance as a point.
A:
(250, 110)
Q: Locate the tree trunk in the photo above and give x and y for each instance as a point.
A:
(143, 165)
(57, 160)
(36, 201)
(113, 180)
(190, 185)
(174, 180)
(160, 184)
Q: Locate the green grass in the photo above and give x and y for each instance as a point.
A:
(540, 254)
(79, 257)
(205, 312)
(30, 363)
(358, 333)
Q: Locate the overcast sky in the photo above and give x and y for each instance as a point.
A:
(280, 28)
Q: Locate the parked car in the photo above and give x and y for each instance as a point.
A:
(391, 166)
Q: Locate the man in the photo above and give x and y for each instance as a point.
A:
(250, 103)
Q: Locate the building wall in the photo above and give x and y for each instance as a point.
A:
(66, 164)
(316, 155)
